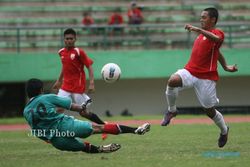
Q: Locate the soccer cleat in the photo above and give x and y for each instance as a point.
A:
(109, 148)
(141, 130)
(222, 141)
(167, 118)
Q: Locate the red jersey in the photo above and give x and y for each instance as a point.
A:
(73, 62)
(116, 19)
(87, 21)
(135, 13)
(204, 56)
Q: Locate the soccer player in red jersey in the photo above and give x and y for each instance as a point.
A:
(201, 72)
(72, 79)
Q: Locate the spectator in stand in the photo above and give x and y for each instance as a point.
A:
(87, 19)
(116, 19)
(134, 14)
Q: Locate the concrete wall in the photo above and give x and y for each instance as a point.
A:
(147, 96)
(140, 90)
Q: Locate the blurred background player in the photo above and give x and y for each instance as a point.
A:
(63, 131)
(201, 72)
(72, 80)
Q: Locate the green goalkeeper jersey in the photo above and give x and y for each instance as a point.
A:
(42, 116)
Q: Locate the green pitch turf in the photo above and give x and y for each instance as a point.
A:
(173, 146)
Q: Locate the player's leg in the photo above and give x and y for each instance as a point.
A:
(116, 129)
(82, 99)
(75, 144)
(172, 91)
(74, 129)
(218, 119)
(84, 129)
(206, 93)
(171, 96)
(65, 137)
(178, 81)
(63, 93)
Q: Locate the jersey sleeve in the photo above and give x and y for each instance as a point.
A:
(220, 34)
(60, 51)
(64, 102)
(85, 59)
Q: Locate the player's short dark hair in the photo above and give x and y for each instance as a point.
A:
(213, 13)
(34, 87)
(69, 31)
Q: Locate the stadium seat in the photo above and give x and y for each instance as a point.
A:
(62, 13)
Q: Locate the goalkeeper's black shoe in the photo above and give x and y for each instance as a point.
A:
(109, 148)
(222, 141)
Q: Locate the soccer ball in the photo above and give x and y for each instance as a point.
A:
(111, 72)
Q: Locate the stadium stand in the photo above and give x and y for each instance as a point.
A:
(38, 25)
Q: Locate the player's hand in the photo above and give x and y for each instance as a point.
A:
(91, 89)
(56, 86)
(189, 27)
(231, 68)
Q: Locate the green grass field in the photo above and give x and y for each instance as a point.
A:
(174, 146)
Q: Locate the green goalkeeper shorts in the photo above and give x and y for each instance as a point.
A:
(66, 137)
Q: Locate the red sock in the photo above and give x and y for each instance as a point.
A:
(111, 129)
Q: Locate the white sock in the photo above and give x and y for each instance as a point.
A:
(171, 95)
(219, 121)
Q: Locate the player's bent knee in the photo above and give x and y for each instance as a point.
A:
(175, 81)
(210, 112)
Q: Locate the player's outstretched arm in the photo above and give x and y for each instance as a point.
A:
(206, 33)
(229, 68)
(58, 82)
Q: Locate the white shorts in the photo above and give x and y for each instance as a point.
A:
(205, 89)
(76, 97)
